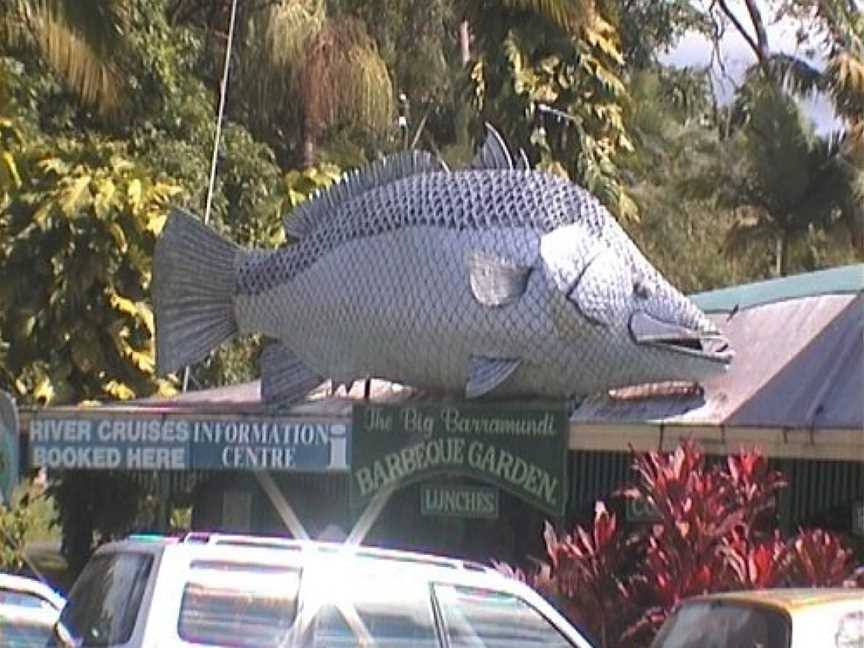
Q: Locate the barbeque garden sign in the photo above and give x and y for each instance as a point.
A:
(521, 450)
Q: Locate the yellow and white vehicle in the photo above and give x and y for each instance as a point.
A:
(775, 618)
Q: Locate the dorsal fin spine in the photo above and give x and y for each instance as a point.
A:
(307, 216)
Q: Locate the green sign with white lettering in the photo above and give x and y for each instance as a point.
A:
(521, 450)
(455, 500)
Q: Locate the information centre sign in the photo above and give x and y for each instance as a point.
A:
(521, 450)
(177, 442)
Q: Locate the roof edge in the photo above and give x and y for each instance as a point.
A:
(842, 280)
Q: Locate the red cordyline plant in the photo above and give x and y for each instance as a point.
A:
(714, 531)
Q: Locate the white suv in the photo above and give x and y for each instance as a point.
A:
(259, 592)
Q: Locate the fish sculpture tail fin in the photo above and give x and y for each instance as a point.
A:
(193, 287)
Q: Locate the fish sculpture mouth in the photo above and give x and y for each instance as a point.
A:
(708, 345)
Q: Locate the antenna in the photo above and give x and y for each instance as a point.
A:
(223, 92)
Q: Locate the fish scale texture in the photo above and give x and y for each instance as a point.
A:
(382, 288)
(465, 200)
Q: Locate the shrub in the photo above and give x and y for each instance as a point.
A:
(715, 531)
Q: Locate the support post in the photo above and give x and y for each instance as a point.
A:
(370, 515)
(283, 508)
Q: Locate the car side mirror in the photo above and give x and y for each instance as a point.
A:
(65, 638)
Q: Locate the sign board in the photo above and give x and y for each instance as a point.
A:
(455, 500)
(521, 450)
(158, 442)
(8, 446)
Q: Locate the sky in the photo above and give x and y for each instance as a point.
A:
(695, 50)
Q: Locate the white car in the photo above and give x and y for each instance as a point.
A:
(257, 592)
(28, 611)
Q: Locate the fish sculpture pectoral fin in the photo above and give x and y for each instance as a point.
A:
(496, 281)
(285, 379)
(193, 291)
(485, 374)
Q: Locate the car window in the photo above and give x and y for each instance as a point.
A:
(103, 605)
(18, 634)
(379, 612)
(850, 631)
(15, 598)
(724, 625)
(240, 606)
(478, 618)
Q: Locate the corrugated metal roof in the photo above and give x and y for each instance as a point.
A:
(799, 363)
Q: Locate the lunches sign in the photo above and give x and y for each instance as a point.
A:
(520, 450)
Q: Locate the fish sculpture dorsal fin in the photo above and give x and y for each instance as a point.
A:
(306, 217)
(493, 154)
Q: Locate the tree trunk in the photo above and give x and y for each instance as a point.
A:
(781, 267)
(759, 45)
(759, 27)
(309, 150)
(465, 42)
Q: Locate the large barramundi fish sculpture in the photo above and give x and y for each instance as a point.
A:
(490, 280)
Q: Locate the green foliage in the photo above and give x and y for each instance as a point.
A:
(649, 28)
(77, 241)
(525, 64)
(29, 517)
(81, 42)
(672, 177)
(789, 185)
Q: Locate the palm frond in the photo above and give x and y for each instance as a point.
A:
(780, 142)
(272, 56)
(345, 80)
(846, 74)
(78, 40)
(795, 74)
(569, 15)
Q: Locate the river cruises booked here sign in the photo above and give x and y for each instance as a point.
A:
(521, 450)
(127, 442)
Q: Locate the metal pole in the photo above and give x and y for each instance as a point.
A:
(223, 93)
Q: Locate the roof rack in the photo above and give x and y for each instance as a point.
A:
(291, 544)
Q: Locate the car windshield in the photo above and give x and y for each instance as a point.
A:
(237, 605)
(371, 607)
(477, 618)
(724, 625)
(104, 603)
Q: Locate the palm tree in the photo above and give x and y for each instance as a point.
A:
(299, 67)
(78, 39)
(792, 182)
